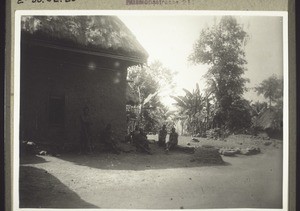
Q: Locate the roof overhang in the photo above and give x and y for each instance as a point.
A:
(136, 60)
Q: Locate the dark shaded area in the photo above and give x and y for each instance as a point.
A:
(54, 83)
(56, 111)
(139, 161)
(275, 134)
(31, 159)
(39, 189)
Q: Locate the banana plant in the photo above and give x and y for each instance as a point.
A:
(190, 108)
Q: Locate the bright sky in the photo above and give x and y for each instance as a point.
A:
(170, 40)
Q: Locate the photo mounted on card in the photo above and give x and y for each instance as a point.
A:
(149, 109)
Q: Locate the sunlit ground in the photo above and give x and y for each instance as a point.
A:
(165, 181)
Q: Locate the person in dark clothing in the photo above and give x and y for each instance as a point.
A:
(107, 136)
(173, 140)
(85, 136)
(162, 136)
(135, 134)
(140, 141)
(143, 141)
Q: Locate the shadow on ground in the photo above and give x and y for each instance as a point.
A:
(39, 189)
(138, 161)
(31, 159)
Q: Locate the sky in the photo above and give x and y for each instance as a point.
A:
(170, 39)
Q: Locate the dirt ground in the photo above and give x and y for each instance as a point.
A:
(159, 181)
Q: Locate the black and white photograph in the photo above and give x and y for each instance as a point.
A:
(151, 110)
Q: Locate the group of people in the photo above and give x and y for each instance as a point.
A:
(137, 137)
(173, 138)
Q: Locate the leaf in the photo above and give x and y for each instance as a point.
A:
(150, 97)
(188, 93)
(179, 102)
(197, 88)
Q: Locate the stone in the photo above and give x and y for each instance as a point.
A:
(195, 140)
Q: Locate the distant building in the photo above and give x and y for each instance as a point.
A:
(270, 121)
(67, 63)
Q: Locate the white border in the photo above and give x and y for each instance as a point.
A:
(151, 12)
(16, 82)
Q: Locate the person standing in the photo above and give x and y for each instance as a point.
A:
(162, 136)
(109, 141)
(85, 136)
(173, 140)
(135, 134)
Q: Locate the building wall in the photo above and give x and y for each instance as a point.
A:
(77, 80)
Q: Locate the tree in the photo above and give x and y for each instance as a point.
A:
(239, 115)
(148, 81)
(271, 89)
(222, 48)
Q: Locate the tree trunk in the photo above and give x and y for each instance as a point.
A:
(181, 123)
(208, 113)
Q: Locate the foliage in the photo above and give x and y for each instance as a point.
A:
(271, 89)
(141, 81)
(239, 115)
(190, 109)
(148, 81)
(258, 107)
(153, 119)
(278, 108)
(222, 48)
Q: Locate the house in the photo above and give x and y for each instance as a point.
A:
(67, 63)
(269, 120)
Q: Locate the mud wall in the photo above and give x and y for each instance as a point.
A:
(76, 80)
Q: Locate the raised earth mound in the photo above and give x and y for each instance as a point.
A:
(207, 156)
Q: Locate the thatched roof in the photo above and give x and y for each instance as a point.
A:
(106, 34)
(266, 119)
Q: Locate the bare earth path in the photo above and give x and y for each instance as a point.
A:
(134, 180)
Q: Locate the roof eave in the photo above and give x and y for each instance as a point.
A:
(134, 59)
